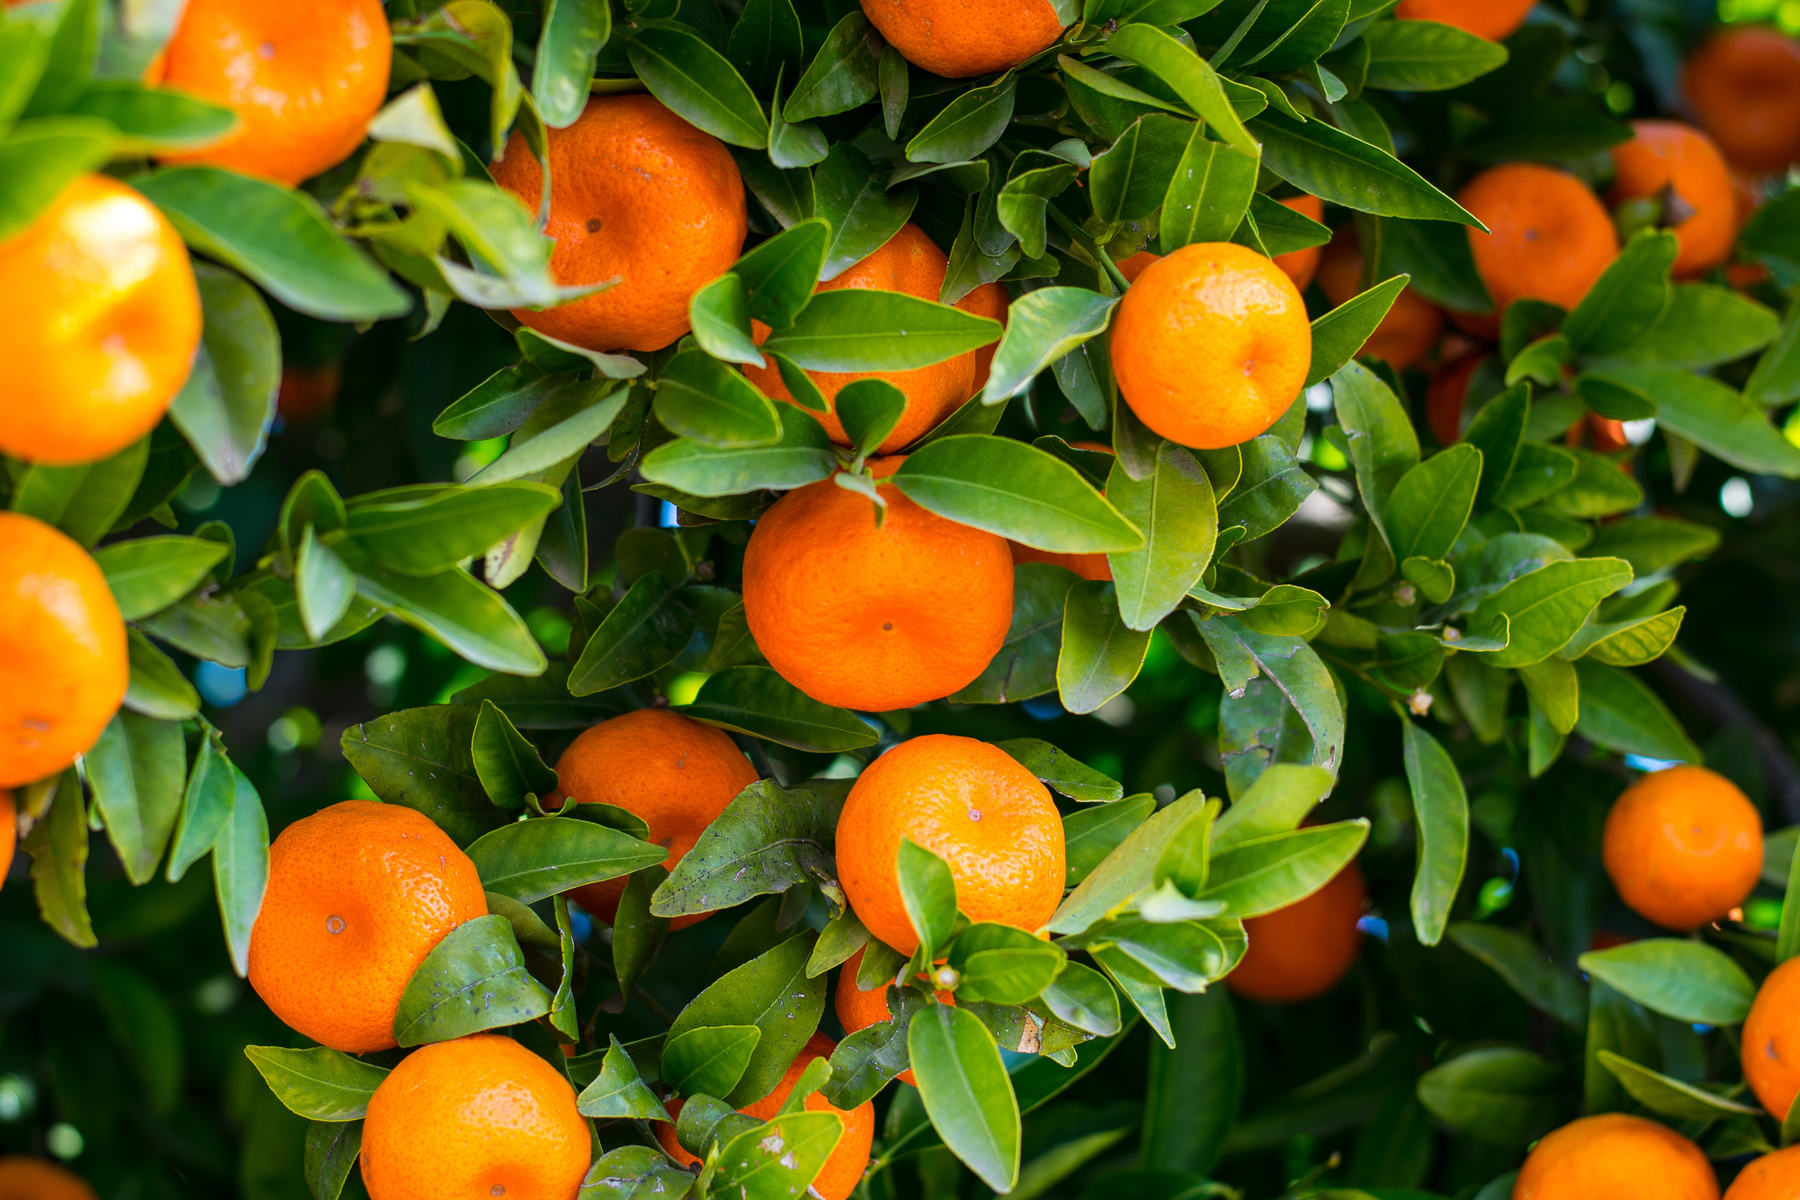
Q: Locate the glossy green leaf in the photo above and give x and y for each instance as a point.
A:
(1016, 491)
(697, 82)
(474, 979)
(965, 1088)
(1689, 981)
(319, 1084)
(759, 702)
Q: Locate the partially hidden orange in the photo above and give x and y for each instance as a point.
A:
(1681, 166)
(1774, 1176)
(857, 1010)
(1491, 19)
(959, 38)
(1683, 846)
(99, 323)
(1302, 265)
(635, 193)
(973, 806)
(1301, 951)
(1412, 325)
(23, 1177)
(672, 771)
(874, 617)
(1616, 1157)
(1770, 1049)
(9, 832)
(359, 893)
(63, 664)
(1744, 85)
(1549, 238)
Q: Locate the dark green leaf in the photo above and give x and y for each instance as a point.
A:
(697, 82)
(1689, 981)
(319, 1084)
(474, 979)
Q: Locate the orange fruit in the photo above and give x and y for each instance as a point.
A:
(1412, 325)
(970, 804)
(9, 832)
(857, 1009)
(1447, 392)
(472, 1119)
(1550, 238)
(672, 771)
(1682, 166)
(1088, 566)
(843, 1168)
(959, 38)
(1774, 1176)
(1134, 266)
(1616, 1157)
(1771, 1040)
(99, 321)
(1301, 951)
(988, 300)
(1301, 265)
(359, 893)
(308, 394)
(25, 1178)
(874, 617)
(911, 263)
(1745, 88)
(638, 193)
(1603, 435)
(63, 668)
(304, 79)
(1494, 20)
(1211, 345)
(1683, 846)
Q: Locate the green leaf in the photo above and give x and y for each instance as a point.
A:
(1025, 665)
(421, 757)
(1041, 327)
(1518, 960)
(759, 702)
(967, 126)
(779, 274)
(1175, 509)
(82, 501)
(426, 529)
(771, 992)
(507, 765)
(1100, 655)
(149, 574)
(643, 633)
(779, 1159)
(1212, 188)
(1260, 875)
(842, 75)
(634, 1172)
(1293, 668)
(1704, 325)
(1499, 1095)
(58, 848)
(534, 859)
(1195, 1088)
(708, 1060)
(1339, 335)
(241, 868)
(765, 38)
(1129, 869)
(928, 892)
(1542, 609)
(1626, 300)
(767, 840)
(574, 31)
(863, 213)
(1128, 181)
(1441, 812)
(1671, 1097)
(1062, 773)
(157, 687)
(1091, 834)
(700, 398)
(331, 1151)
(1342, 169)
(474, 979)
(1190, 76)
(1689, 981)
(499, 404)
(697, 82)
(1620, 712)
(720, 315)
(279, 238)
(966, 1092)
(1023, 209)
(466, 615)
(1276, 803)
(228, 402)
(860, 329)
(1627, 643)
(323, 585)
(24, 54)
(1542, 128)
(1424, 56)
(319, 1084)
(869, 410)
(1270, 490)
(570, 420)
(619, 1090)
(1713, 417)
(136, 769)
(1000, 964)
(1014, 490)
(205, 806)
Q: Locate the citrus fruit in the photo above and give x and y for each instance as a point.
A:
(9, 832)
(63, 667)
(359, 893)
(874, 617)
(26, 1178)
(1680, 165)
(909, 262)
(1616, 1157)
(857, 1009)
(304, 79)
(843, 1168)
(1491, 19)
(636, 192)
(989, 300)
(670, 770)
(1134, 266)
(1771, 1039)
(473, 1119)
(1744, 85)
(973, 806)
(1412, 325)
(1683, 846)
(308, 394)
(959, 38)
(1549, 238)
(1302, 265)
(1447, 393)
(100, 321)
(1301, 951)
(1774, 1176)
(1211, 345)
(1089, 566)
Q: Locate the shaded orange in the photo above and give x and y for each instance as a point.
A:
(25, 1178)
(304, 80)
(9, 832)
(1771, 1040)
(960, 38)
(1412, 325)
(308, 394)
(988, 300)
(1616, 1157)
(845, 1164)
(1134, 266)
(857, 1010)
(1682, 166)
(1683, 846)
(1301, 951)
(874, 617)
(1745, 88)
(472, 1119)
(1211, 345)
(910, 263)
(1491, 19)
(1301, 265)
(359, 893)
(973, 806)
(1774, 1176)
(99, 321)
(672, 771)
(63, 666)
(1550, 238)
(638, 193)
(1447, 394)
